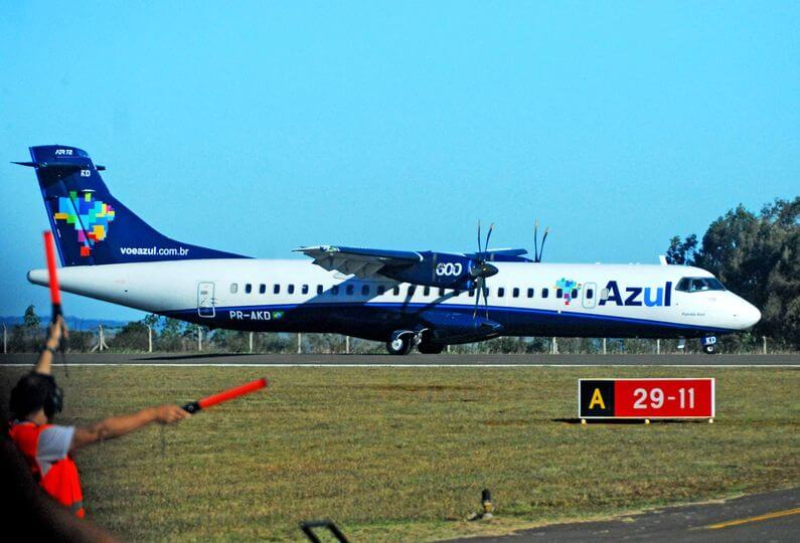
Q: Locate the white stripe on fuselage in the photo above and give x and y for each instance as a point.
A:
(173, 286)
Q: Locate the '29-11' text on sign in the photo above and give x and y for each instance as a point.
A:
(646, 398)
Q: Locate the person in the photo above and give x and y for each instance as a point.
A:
(48, 448)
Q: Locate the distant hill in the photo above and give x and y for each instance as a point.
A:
(74, 323)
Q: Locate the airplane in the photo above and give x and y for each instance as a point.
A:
(407, 299)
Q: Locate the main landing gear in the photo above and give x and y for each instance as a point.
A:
(401, 345)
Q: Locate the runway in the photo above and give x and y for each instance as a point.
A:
(772, 516)
(415, 360)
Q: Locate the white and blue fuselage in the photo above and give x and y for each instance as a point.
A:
(525, 299)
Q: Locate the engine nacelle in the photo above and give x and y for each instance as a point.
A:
(449, 270)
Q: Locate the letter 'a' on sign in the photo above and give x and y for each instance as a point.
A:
(596, 398)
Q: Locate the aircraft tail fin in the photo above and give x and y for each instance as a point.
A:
(91, 227)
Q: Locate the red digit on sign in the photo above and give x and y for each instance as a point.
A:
(655, 398)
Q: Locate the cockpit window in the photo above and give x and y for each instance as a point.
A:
(699, 284)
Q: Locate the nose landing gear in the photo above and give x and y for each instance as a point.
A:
(710, 345)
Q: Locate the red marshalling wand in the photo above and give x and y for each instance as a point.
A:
(226, 395)
(52, 273)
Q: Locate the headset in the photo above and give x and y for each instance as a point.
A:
(36, 391)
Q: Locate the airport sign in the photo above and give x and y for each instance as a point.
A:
(683, 398)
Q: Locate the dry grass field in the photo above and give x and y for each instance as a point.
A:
(403, 453)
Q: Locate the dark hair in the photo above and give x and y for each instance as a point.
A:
(33, 392)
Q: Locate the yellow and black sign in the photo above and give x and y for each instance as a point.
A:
(596, 398)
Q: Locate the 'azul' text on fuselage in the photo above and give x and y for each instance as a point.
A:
(637, 296)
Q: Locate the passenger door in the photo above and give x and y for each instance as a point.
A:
(205, 300)
(590, 295)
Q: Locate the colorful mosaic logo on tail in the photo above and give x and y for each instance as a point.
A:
(88, 216)
(569, 287)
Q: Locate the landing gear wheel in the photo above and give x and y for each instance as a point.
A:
(399, 346)
(710, 349)
(427, 348)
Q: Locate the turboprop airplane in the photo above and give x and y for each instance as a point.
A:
(404, 298)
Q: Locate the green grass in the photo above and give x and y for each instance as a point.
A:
(403, 453)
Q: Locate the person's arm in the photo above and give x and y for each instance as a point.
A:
(124, 424)
(57, 330)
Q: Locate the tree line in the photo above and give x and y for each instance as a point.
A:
(757, 256)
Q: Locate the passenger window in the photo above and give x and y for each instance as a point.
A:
(305, 289)
(262, 288)
(234, 288)
(319, 290)
(471, 292)
(545, 292)
(396, 291)
(335, 290)
(349, 290)
(381, 290)
(411, 291)
(248, 288)
(530, 293)
(501, 292)
(441, 292)
(291, 289)
(574, 294)
(426, 291)
(276, 289)
(365, 290)
(589, 294)
(559, 293)
(516, 293)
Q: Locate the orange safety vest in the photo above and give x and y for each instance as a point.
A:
(61, 481)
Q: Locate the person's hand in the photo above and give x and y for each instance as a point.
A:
(170, 414)
(58, 330)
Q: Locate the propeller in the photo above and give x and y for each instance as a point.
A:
(481, 270)
(537, 252)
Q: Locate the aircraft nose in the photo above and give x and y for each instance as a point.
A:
(749, 314)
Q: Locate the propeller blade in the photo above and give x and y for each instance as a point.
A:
(477, 296)
(544, 238)
(536, 241)
(488, 235)
(479, 237)
(485, 299)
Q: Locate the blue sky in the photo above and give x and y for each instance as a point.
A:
(261, 127)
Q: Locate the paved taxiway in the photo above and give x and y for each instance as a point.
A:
(499, 360)
(773, 516)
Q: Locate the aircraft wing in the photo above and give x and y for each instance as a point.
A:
(361, 262)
